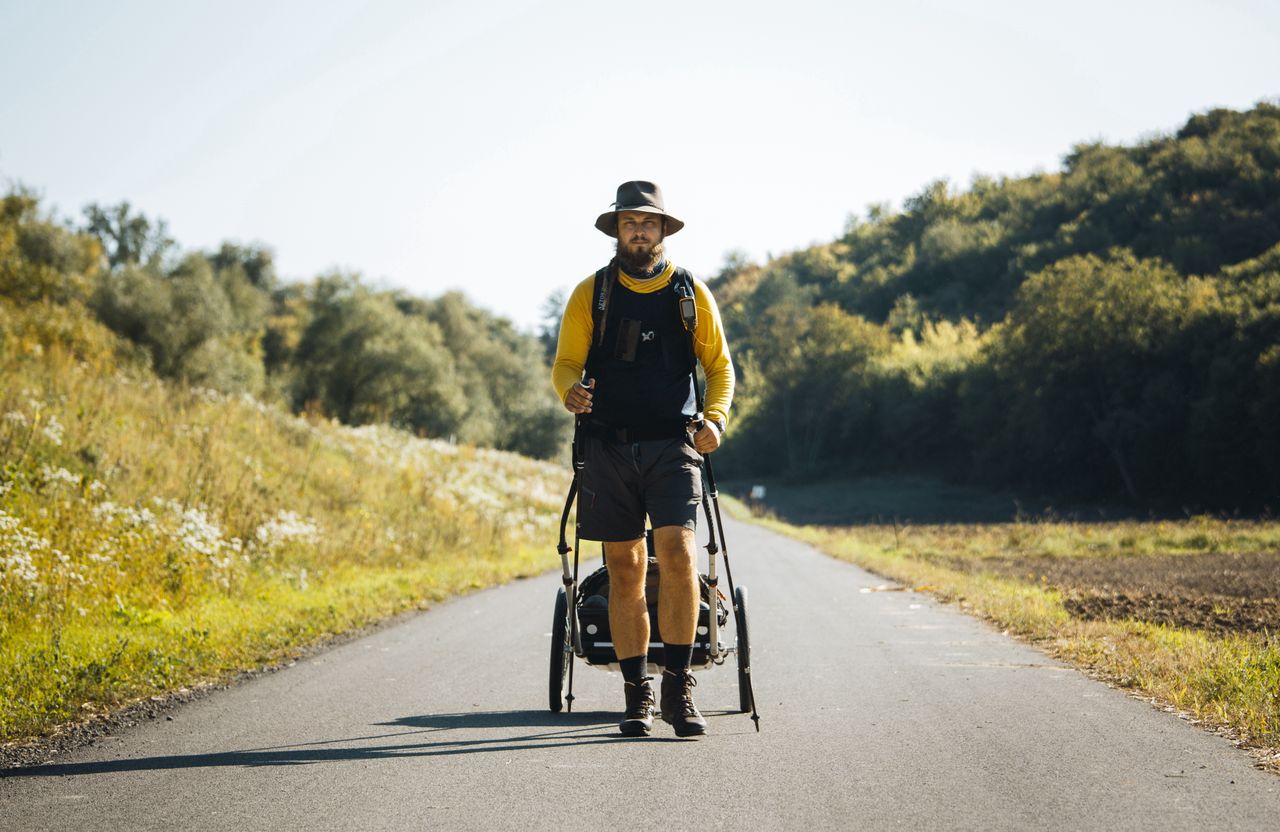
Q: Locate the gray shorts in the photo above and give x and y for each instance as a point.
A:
(623, 482)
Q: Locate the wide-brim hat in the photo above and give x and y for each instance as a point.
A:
(637, 196)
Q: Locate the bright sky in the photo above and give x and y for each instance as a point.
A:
(440, 145)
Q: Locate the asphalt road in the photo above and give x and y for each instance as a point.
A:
(880, 710)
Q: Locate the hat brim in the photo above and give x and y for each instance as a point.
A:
(608, 221)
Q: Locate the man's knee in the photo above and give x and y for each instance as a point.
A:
(628, 564)
(675, 548)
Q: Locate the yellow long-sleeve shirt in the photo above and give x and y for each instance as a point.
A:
(709, 343)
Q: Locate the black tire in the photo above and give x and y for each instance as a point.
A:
(560, 655)
(744, 648)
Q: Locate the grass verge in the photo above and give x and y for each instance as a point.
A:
(154, 538)
(1229, 682)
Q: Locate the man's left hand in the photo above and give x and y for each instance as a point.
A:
(707, 439)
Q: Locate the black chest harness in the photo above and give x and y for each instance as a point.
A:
(681, 285)
(643, 360)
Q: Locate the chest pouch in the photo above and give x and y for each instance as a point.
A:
(628, 340)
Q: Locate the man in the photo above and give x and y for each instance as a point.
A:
(632, 384)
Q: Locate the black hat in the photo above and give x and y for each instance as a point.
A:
(637, 196)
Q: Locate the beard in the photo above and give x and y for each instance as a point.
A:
(637, 258)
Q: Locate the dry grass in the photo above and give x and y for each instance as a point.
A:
(153, 537)
(1229, 682)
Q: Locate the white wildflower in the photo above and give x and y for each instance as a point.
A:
(53, 430)
(56, 476)
(15, 417)
(97, 487)
(19, 565)
(17, 545)
(130, 517)
(172, 505)
(198, 533)
(207, 395)
(285, 526)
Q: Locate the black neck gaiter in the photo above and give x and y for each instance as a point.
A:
(652, 273)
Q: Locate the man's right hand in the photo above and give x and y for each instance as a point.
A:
(579, 398)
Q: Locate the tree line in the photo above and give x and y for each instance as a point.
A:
(335, 345)
(1109, 331)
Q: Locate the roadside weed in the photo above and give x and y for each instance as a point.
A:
(1229, 680)
(154, 537)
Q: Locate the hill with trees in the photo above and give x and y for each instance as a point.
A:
(1109, 331)
(333, 346)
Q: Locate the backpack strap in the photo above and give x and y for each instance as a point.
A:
(605, 280)
(687, 306)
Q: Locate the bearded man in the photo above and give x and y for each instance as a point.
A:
(633, 386)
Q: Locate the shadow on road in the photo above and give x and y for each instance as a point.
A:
(549, 731)
(506, 719)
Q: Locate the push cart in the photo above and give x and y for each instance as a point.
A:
(580, 621)
(587, 634)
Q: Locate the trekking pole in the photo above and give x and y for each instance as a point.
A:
(713, 580)
(718, 526)
(571, 580)
(574, 635)
(563, 547)
(688, 307)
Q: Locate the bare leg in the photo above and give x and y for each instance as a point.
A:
(628, 564)
(678, 601)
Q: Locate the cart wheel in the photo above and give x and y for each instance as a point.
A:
(560, 654)
(743, 650)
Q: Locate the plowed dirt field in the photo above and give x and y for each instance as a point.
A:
(1212, 591)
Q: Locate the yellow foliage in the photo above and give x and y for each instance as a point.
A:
(153, 536)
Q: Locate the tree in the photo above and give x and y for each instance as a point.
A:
(552, 314)
(128, 239)
(39, 259)
(1085, 350)
(363, 360)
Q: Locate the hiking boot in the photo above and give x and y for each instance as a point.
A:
(638, 721)
(677, 704)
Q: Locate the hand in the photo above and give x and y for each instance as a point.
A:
(579, 398)
(707, 438)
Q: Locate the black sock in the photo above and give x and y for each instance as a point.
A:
(677, 656)
(633, 669)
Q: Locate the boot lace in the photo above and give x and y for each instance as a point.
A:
(640, 699)
(687, 683)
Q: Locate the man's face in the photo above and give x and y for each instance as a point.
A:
(638, 233)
